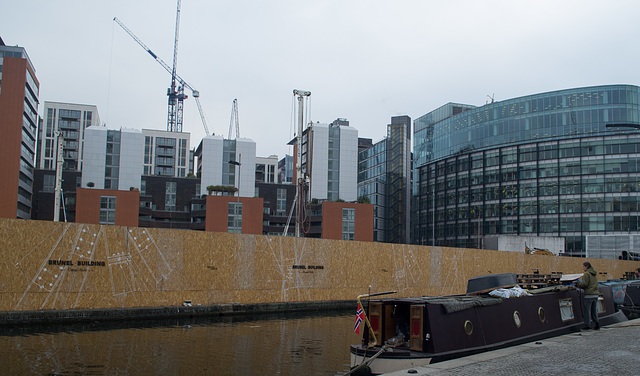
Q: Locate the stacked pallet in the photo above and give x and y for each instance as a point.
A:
(536, 281)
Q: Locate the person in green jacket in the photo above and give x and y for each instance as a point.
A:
(590, 285)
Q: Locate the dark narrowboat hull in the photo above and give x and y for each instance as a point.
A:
(441, 331)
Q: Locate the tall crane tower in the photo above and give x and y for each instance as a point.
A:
(234, 119)
(299, 201)
(175, 92)
(177, 83)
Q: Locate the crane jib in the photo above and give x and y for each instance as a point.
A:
(175, 76)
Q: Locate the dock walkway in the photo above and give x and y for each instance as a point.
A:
(612, 350)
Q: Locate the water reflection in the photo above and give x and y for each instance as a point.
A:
(270, 344)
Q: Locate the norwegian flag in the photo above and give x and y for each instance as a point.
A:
(359, 319)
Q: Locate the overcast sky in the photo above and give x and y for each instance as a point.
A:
(365, 61)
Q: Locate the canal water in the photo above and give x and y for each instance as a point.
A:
(269, 344)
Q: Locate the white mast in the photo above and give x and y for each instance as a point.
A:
(58, 189)
(299, 175)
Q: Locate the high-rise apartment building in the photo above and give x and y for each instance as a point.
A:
(266, 169)
(384, 176)
(166, 153)
(71, 120)
(18, 119)
(231, 163)
(113, 158)
(330, 160)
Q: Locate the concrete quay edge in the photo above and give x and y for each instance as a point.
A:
(461, 366)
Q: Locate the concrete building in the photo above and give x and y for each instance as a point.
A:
(229, 163)
(285, 170)
(19, 89)
(44, 194)
(113, 158)
(171, 202)
(166, 153)
(266, 169)
(277, 201)
(322, 219)
(384, 177)
(107, 207)
(347, 221)
(524, 243)
(71, 120)
(620, 246)
(234, 214)
(330, 160)
(563, 164)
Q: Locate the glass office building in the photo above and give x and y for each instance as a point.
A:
(564, 163)
(372, 172)
(384, 175)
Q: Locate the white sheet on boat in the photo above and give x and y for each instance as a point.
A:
(514, 292)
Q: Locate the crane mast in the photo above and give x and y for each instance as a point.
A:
(300, 180)
(234, 119)
(175, 92)
(181, 84)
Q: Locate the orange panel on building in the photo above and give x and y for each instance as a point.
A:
(12, 103)
(218, 214)
(88, 206)
(332, 220)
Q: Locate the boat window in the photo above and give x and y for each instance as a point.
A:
(517, 320)
(468, 327)
(566, 309)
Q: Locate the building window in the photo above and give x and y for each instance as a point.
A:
(281, 204)
(271, 173)
(49, 183)
(348, 224)
(148, 148)
(228, 169)
(107, 210)
(112, 160)
(170, 196)
(234, 221)
(333, 164)
(182, 154)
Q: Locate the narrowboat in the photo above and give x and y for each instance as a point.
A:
(404, 333)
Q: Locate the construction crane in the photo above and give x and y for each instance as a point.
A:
(182, 83)
(234, 119)
(300, 176)
(175, 93)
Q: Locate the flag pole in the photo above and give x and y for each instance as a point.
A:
(366, 318)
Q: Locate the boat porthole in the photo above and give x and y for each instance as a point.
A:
(468, 327)
(541, 314)
(517, 320)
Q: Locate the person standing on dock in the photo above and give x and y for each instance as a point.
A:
(590, 285)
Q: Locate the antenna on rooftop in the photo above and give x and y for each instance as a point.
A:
(491, 97)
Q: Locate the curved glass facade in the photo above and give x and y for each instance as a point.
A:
(563, 163)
